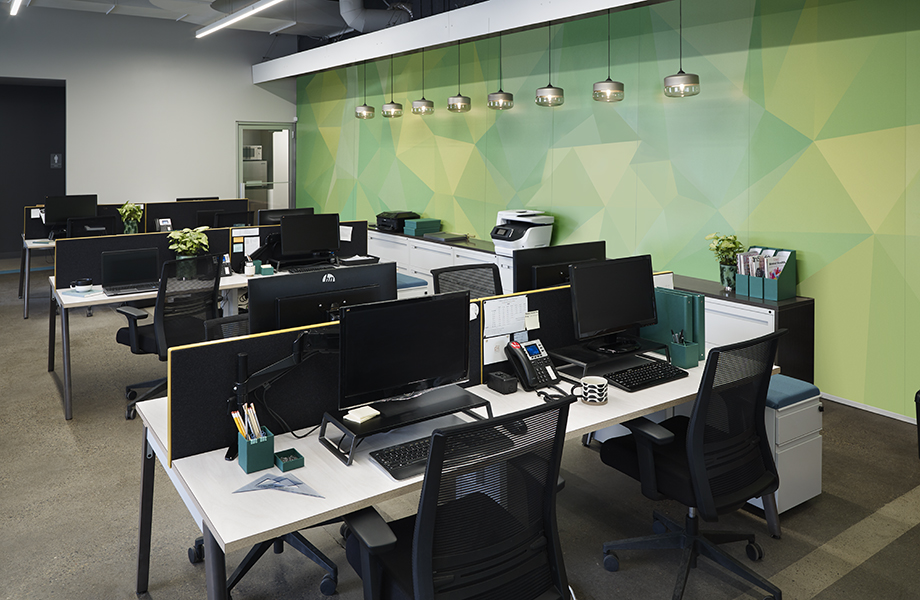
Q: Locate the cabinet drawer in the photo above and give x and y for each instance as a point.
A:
(389, 248)
(798, 420)
(425, 257)
(472, 257)
(799, 468)
(730, 322)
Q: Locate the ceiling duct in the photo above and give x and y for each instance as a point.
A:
(365, 19)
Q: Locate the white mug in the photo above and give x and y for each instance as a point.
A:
(593, 390)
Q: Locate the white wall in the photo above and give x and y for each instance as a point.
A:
(151, 111)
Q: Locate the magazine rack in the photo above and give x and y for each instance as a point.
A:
(781, 288)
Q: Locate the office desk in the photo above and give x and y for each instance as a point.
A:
(25, 268)
(229, 522)
(66, 303)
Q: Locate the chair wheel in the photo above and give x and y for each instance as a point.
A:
(130, 413)
(196, 553)
(130, 394)
(659, 527)
(327, 585)
(754, 551)
(612, 562)
(343, 530)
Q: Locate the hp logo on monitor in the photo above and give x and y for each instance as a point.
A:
(328, 278)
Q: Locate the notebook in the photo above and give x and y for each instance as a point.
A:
(130, 271)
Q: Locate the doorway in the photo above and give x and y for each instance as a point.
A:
(265, 164)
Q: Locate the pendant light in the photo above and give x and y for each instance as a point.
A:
(681, 84)
(550, 95)
(500, 100)
(458, 103)
(364, 111)
(608, 90)
(391, 110)
(422, 107)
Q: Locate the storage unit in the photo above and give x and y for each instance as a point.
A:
(794, 421)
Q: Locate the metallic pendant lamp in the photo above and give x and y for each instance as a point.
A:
(609, 90)
(550, 95)
(422, 107)
(681, 84)
(364, 111)
(500, 100)
(459, 103)
(391, 109)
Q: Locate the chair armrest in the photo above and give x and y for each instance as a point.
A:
(134, 315)
(371, 530)
(646, 433)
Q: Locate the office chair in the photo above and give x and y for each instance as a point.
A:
(486, 522)
(188, 296)
(712, 462)
(482, 279)
(222, 328)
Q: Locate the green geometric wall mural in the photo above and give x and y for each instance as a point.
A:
(806, 135)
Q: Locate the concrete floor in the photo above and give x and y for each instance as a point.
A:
(69, 498)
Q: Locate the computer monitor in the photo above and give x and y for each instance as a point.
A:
(309, 235)
(398, 349)
(365, 283)
(233, 219)
(60, 208)
(537, 268)
(205, 218)
(612, 297)
(197, 198)
(91, 226)
(272, 216)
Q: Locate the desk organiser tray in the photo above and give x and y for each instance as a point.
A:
(430, 405)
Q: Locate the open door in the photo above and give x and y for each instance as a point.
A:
(265, 164)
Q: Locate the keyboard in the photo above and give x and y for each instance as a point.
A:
(644, 376)
(132, 288)
(309, 268)
(410, 458)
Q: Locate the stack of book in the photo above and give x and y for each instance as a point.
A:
(419, 227)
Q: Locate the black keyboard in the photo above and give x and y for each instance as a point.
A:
(643, 376)
(309, 268)
(409, 458)
(132, 288)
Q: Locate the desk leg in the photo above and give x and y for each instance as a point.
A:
(24, 282)
(65, 341)
(22, 266)
(146, 516)
(215, 566)
(52, 313)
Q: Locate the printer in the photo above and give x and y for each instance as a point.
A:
(519, 229)
(394, 220)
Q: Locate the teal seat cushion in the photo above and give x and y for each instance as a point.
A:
(785, 391)
(407, 281)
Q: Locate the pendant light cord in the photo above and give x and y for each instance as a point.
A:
(365, 83)
(680, 44)
(423, 73)
(499, 62)
(391, 79)
(608, 43)
(458, 68)
(549, 39)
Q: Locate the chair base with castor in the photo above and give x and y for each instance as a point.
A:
(156, 389)
(327, 586)
(694, 543)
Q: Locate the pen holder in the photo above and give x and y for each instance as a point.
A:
(685, 356)
(256, 454)
(258, 266)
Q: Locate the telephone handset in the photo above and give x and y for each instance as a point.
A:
(531, 364)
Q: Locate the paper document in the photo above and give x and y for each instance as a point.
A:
(344, 233)
(505, 315)
(250, 245)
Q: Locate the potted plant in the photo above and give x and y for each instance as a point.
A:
(188, 243)
(726, 248)
(131, 215)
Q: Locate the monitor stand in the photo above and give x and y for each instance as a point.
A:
(615, 344)
(430, 405)
(585, 357)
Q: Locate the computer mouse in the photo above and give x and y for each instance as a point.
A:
(516, 427)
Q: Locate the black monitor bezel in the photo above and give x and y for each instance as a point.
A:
(272, 216)
(299, 235)
(526, 259)
(227, 214)
(395, 312)
(617, 324)
(60, 208)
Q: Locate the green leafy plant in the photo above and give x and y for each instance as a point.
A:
(725, 247)
(130, 212)
(189, 242)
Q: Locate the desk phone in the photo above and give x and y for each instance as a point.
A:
(532, 364)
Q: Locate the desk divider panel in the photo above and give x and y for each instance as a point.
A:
(81, 257)
(357, 246)
(238, 241)
(35, 229)
(185, 214)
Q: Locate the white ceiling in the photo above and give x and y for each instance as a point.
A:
(314, 18)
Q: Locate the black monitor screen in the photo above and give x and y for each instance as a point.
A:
(612, 296)
(309, 235)
(393, 349)
(205, 218)
(233, 219)
(272, 216)
(60, 208)
(377, 282)
(536, 268)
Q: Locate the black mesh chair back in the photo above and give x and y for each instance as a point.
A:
(727, 446)
(480, 279)
(188, 296)
(226, 327)
(486, 525)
